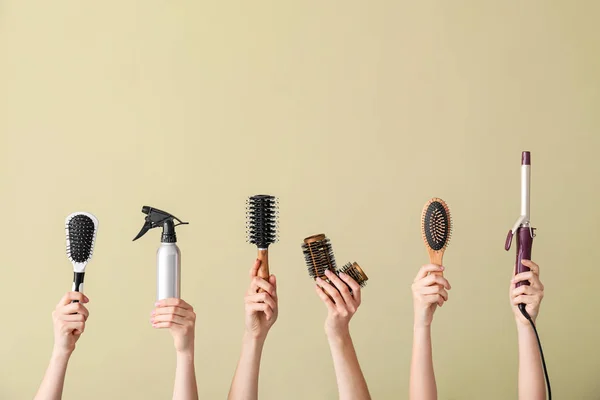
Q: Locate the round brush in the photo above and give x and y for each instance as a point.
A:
(81, 229)
(261, 227)
(354, 271)
(436, 228)
(318, 255)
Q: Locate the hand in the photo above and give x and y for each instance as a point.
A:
(429, 291)
(69, 321)
(261, 308)
(179, 317)
(341, 303)
(531, 295)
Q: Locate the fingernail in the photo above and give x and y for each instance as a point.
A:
(153, 312)
(152, 320)
(156, 304)
(343, 274)
(442, 267)
(327, 272)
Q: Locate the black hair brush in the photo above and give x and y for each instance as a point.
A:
(81, 229)
(261, 227)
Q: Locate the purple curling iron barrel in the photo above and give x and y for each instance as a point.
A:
(525, 234)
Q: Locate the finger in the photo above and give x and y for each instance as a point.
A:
(182, 312)
(436, 280)
(523, 276)
(273, 282)
(253, 308)
(175, 319)
(261, 298)
(342, 288)
(523, 299)
(73, 308)
(73, 318)
(435, 289)
(70, 296)
(163, 325)
(433, 299)
(260, 283)
(74, 326)
(353, 285)
(173, 302)
(426, 269)
(525, 289)
(331, 291)
(326, 299)
(254, 269)
(532, 266)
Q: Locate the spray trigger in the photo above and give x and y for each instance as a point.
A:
(156, 218)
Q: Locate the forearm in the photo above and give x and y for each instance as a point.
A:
(52, 385)
(245, 381)
(350, 380)
(185, 377)
(531, 376)
(422, 377)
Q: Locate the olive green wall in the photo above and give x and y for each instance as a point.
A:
(354, 113)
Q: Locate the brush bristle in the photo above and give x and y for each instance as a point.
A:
(318, 255)
(354, 271)
(436, 224)
(81, 233)
(261, 220)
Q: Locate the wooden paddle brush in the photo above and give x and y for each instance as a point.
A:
(436, 228)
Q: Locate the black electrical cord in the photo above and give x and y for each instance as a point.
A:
(526, 315)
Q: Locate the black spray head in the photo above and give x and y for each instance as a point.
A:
(155, 218)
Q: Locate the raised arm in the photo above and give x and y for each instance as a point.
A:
(429, 291)
(341, 305)
(531, 376)
(69, 323)
(179, 317)
(261, 314)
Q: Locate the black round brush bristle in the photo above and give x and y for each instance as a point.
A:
(80, 230)
(261, 220)
(437, 226)
(354, 272)
(318, 255)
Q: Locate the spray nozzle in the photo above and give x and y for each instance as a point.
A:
(155, 218)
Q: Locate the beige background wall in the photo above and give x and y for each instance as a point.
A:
(354, 113)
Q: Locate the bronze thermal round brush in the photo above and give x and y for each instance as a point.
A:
(354, 271)
(318, 255)
(436, 228)
(261, 227)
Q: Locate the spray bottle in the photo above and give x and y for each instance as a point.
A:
(168, 256)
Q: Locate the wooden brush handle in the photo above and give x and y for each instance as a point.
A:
(437, 258)
(263, 270)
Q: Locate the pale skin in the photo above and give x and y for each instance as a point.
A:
(180, 319)
(531, 375)
(341, 305)
(69, 323)
(261, 313)
(429, 291)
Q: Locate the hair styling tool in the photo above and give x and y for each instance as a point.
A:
(262, 215)
(81, 229)
(525, 234)
(168, 256)
(319, 257)
(436, 228)
(355, 272)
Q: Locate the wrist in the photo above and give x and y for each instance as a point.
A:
(253, 340)
(61, 354)
(186, 355)
(421, 327)
(339, 335)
